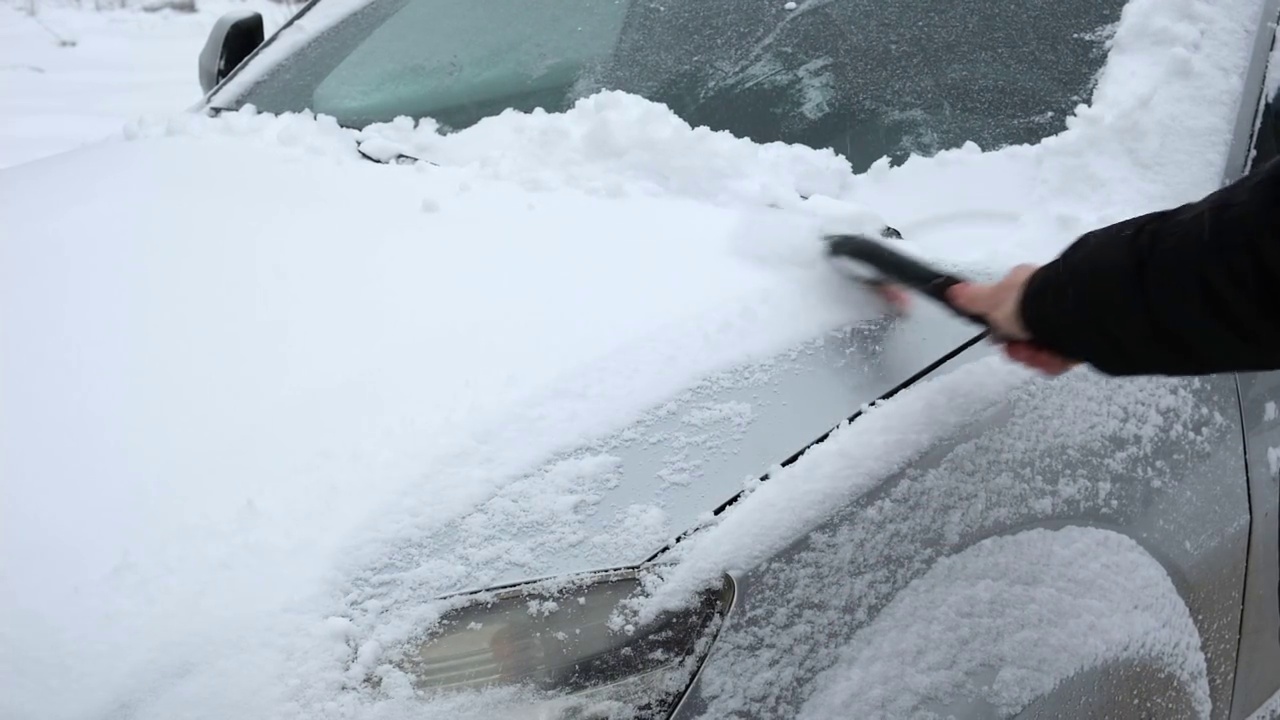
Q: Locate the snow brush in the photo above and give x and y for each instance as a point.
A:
(877, 264)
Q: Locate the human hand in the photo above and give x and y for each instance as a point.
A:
(895, 296)
(1000, 304)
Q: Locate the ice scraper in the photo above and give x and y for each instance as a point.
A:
(876, 263)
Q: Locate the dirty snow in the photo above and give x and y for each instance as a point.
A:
(196, 557)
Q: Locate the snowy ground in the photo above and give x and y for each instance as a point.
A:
(72, 75)
(167, 568)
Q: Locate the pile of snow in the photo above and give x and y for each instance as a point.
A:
(641, 147)
(610, 144)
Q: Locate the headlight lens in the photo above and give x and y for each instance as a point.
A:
(561, 642)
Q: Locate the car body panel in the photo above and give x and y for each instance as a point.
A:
(1180, 494)
(1258, 676)
(1256, 141)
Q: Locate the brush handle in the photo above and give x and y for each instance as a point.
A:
(900, 268)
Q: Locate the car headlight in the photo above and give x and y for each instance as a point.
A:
(561, 642)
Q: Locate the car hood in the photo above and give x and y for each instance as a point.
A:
(238, 379)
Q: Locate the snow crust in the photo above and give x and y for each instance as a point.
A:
(343, 366)
(1030, 610)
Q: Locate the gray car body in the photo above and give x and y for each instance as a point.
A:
(1205, 510)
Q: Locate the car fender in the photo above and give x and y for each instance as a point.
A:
(1004, 623)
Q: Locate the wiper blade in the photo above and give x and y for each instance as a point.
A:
(387, 153)
(376, 150)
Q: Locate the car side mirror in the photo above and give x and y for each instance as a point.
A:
(233, 38)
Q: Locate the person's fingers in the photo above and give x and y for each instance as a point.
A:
(997, 304)
(973, 298)
(896, 295)
(1038, 358)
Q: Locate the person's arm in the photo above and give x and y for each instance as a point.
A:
(1188, 291)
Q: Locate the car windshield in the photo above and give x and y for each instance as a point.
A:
(868, 78)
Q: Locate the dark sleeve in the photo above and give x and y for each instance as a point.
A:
(1188, 291)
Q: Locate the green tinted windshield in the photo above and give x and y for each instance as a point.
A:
(868, 78)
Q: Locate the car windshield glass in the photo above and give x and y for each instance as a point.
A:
(868, 78)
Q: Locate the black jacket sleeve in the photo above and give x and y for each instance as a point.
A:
(1188, 291)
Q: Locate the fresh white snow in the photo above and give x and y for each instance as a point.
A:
(216, 414)
(72, 75)
(316, 373)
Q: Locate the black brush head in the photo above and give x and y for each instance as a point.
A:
(874, 261)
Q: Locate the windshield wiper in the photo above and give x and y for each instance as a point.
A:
(380, 151)
(386, 152)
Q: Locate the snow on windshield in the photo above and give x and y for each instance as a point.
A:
(250, 614)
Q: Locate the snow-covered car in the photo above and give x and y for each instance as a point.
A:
(551, 405)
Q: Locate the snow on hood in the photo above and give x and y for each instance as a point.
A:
(231, 346)
(232, 343)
